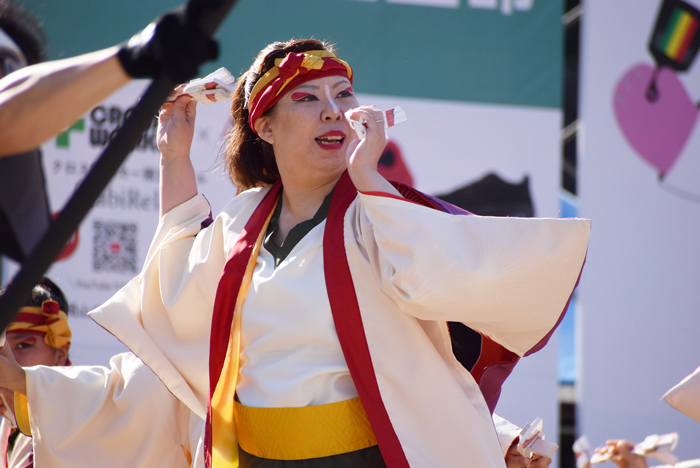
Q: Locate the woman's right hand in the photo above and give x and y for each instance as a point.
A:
(176, 126)
(175, 132)
(12, 376)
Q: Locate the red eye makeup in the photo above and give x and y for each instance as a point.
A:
(299, 95)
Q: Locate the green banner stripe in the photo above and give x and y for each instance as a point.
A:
(457, 54)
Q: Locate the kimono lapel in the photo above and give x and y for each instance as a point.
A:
(225, 340)
(353, 341)
(348, 324)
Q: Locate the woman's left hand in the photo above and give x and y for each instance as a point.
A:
(363, 155)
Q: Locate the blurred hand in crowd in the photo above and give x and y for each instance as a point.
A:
(621, 454)
(539, 461)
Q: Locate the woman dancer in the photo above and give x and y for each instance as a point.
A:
(319, 296)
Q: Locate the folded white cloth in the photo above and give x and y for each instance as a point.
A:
(685, 396)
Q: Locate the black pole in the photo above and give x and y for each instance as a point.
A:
(209, 14)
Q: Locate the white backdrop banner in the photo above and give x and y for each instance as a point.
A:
(639, 178)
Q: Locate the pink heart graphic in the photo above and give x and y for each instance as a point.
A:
(659, 128)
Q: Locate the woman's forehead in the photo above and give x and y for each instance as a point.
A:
(331, 81)
(22, 334)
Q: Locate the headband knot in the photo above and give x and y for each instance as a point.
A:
(51, 309)
(288, 73)
(298, 64)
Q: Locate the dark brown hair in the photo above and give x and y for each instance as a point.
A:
(44, 291)
(25, 29)
(250, 161)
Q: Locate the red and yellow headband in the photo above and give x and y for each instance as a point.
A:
(47, 319)
(288, 73)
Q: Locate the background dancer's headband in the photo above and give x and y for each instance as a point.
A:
(288, 73)
(47, 319)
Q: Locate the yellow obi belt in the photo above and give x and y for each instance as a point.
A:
(304, 433)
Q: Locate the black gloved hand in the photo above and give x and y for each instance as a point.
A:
(169, 46)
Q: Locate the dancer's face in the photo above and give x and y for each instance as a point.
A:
(30, 349)
(308, 130)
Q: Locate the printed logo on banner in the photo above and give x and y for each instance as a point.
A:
(70, 246)
(654, 110)
(506, 6)
(106, 120)
(63, 139)
(130, 198)
(114, 247)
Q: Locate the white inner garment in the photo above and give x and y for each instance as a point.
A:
(290, 354)
(328, 93)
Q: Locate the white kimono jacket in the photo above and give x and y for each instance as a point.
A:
(413, 268)
(122, 416)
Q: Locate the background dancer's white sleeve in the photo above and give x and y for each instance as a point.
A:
(94, 416)
(508, 278)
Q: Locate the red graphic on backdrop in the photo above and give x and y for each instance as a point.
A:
(392, 165)
(71, 245)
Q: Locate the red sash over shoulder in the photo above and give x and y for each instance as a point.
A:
(225, 301)
(348, 324)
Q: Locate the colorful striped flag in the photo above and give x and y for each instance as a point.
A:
(676, 37)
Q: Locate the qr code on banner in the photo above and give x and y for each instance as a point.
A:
(114, 247)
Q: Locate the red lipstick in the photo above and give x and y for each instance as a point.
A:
(331, 140)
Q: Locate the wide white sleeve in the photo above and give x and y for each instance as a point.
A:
(685, 396)
(94, 416)
(508, 278)
(164, 314)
